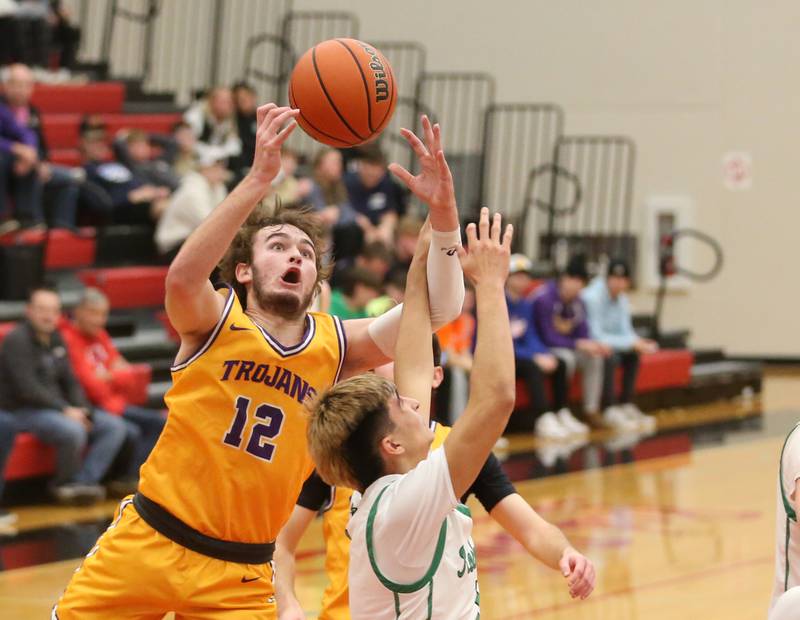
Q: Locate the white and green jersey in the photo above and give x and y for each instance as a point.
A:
(787, 555)
(411, 550)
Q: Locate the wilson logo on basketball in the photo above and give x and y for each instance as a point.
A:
(381, 84)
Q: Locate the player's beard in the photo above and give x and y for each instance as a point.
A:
(283, 303)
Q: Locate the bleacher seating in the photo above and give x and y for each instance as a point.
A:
(128, 287)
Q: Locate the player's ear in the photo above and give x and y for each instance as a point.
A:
(390, 448)
(244, 273)
(438, 376)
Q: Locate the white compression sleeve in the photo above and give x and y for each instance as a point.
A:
(445, 278)
(445, 292)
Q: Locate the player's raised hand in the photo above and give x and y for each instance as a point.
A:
(578, 570)
(275, 125)
(485, 260)
(434, 183)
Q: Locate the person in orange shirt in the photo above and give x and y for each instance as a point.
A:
(456, 339)
(106, 376)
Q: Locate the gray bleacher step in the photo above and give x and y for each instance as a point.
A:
(144, 344)
(155, 393)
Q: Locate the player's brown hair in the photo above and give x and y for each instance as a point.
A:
(346, 424)
(241, 248)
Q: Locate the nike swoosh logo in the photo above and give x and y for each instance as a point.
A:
(450, 251)
(236, 328)
(246, 580)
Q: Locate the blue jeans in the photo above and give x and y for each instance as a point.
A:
(8, 431)
(70, 438)
(64, 189)
(144, 429)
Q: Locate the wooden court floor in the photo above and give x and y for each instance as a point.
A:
(689, 535)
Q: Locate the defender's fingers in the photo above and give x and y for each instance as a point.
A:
(483, 223)
(284, 133)
(508, 236)
(444, 169)
(472, 235)
(280, 117)
(427, 131)
(437, 138)
(261, 113)
(496, 224)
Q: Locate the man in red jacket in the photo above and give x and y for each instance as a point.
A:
(106, 376)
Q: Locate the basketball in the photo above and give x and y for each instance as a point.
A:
(345, 91)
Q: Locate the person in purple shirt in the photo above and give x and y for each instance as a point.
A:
(534, 361)
(18, 174)
(561, 319)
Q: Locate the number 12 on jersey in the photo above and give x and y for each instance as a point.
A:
(262, 432)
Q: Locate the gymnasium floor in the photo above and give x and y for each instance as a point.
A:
(680, 525)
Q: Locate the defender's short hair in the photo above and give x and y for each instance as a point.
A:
(346, 424)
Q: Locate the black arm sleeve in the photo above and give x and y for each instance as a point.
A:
(315, 494)
(492, 485)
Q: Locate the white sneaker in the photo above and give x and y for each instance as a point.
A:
(548, 427)
(571, 423)
(643, 421)
(616, 418)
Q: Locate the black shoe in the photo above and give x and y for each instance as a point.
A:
(77, 494)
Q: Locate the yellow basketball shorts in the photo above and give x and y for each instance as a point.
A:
(135, 572)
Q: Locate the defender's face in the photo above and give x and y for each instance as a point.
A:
(410, 430)
(284, 271)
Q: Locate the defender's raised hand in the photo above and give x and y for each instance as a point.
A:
(434, 183)
(269, 139)
(486, 258)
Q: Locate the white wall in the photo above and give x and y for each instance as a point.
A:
(688, 80)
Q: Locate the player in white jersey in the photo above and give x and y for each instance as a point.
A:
(787, 556)
(411, 555)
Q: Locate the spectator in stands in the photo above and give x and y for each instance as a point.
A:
(358, 287)
(186, 155)
(106, 376)
(134, 149)
(8, 433)
(378, 200)
(116, 191)
(290, 190)
(376, 258)
(65, 36)
(408, 229)
(19, 160)
(560, 320)
(328, 198)
(198, 194)
(40, 389)
(61, 184)
(610, 322)
(213, 122)
(535, 361)
(246, 101)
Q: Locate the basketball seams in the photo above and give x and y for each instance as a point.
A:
(293, 101)
(366, 86)
(328, 96)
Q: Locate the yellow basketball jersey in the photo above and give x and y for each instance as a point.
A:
(335, 605)
(232, 458)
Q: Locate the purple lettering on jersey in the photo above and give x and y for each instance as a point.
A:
(285, 382)
(260, 372)
(244, 370)
(229, 365)
(299, 389)
(270, 380)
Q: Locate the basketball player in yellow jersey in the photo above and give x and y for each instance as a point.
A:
(198, 536)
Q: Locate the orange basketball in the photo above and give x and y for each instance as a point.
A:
(345, 91)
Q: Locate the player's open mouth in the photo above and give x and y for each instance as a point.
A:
(292, 276)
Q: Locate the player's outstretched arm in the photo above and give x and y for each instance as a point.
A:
(492, 382)
(289, 607)
(192, 305)
(414, 362)
(546, 543)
